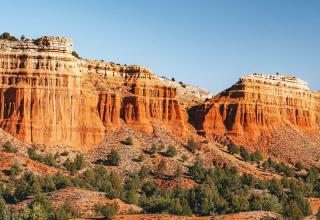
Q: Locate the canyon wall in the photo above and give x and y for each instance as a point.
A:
(48, 96)
(257, 106)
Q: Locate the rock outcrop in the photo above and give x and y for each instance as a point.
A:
(49, 96)
(257, 107)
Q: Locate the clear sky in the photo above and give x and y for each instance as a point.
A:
(207, 43)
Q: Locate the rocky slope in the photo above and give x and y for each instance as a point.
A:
(264, 112)
(48, 96)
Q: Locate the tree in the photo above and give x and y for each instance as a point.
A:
(114, 158)
(22, 37)
(171, 151)
(233, 149)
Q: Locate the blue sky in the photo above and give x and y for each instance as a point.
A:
(207, 43)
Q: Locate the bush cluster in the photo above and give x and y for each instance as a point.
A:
(8, 36)
(48, 159)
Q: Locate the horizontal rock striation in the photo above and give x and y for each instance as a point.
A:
(257, 106)
(48, 96)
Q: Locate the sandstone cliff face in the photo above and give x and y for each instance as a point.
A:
(48, 96)
(256, 106)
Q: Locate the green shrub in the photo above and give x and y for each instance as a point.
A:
(75, 54)
(256, 156)
(192, 146)
(144, 172)
(171, 151)
(15, 170)
(233, 149)
(66, 212)
(313, 176)
(244, 153)
(293, 211)
(113, 158)
(4, 211)
(197, 170)
(77, 164)
(48, 159)
(127, 141)
(184, 158)
(108, 211)
(41, 208)
(299, 166)
(7, 36)
(267, 164)
(9, 148)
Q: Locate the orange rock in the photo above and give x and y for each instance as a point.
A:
(256, 106)
(48, 96)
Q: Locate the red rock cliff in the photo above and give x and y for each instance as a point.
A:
(257, 107)
(48, 96)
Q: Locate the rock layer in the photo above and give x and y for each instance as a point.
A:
(48, 96)
(256, 106)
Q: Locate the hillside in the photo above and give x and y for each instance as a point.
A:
(95, 139)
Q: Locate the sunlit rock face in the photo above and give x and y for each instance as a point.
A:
(256, 106)
(48, 96)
